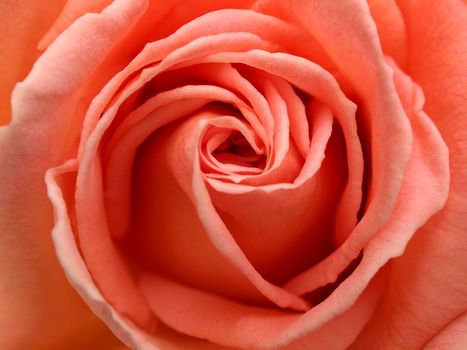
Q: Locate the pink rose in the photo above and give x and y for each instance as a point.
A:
(234, 174)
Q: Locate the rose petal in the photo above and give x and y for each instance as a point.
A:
(361, 61)
(106, 264)
(73, 10)
(286, 230)
(428, 287)
(428, 163)
(96, 335)
(218, 22)
(95, 27)
(123, 151)
(78, 275)
(108, 268)
(229, 323)
(391, 29)
(183, 236)
(45, 307)
(279, 144)
(319, 84)
(453, 336)
(112, 86)
(23, 23)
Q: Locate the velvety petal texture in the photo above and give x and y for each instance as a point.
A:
(238, 175)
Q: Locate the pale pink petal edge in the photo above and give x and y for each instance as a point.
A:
(76, 270)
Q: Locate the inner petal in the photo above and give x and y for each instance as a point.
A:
(288, 229)
(168, 236)
(231, 152)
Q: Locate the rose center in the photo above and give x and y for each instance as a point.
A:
(237, 150)
(230, 148)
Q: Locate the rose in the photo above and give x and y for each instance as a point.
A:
(405, 174)
(429, 167)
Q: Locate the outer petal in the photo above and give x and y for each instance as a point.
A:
(23, 24)
(38, 308)
(391, 29)
(453, 337)
(76, 270)
(79, 277)
(428, 287)
(73, 10)
(96, 335)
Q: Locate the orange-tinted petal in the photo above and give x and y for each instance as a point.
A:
(428, 287)
(22, 26)
(391, 29)
(453, 336)
(43, 107)
(73, 10)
